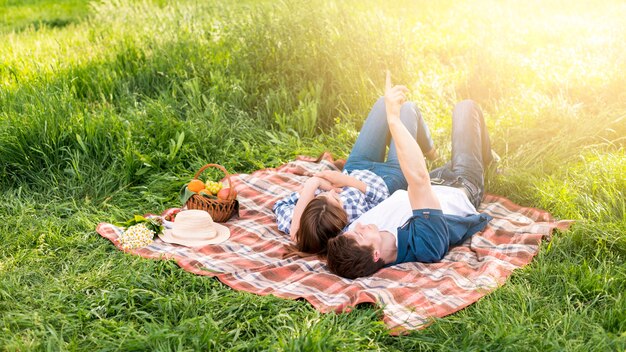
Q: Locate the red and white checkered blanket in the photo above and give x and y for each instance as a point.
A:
(410, 294)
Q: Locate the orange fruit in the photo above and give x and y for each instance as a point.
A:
(195, 185)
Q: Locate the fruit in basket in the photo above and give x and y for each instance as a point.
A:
(206, 192)
(195, 185)
(213, 187)
(223, 194)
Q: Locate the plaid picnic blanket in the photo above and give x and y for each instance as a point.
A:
(410, 294)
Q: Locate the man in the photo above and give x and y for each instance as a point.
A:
(420, 224)
(330, 200)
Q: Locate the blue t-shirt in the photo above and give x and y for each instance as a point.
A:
(429, 233)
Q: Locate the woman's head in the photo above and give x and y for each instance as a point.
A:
(322, 219)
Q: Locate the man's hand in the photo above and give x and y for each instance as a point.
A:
(394, 98)
(421, 194)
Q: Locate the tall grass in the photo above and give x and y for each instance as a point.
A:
(107, 107)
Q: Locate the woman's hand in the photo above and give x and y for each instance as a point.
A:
(394, 98)
(338, 180)
(326, 185)
(316, 182)
(335, 178)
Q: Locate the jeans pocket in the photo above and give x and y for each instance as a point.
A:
(472, 189)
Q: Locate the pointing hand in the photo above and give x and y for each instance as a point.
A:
(395, 96)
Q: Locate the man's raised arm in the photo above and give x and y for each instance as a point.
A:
(410, 155)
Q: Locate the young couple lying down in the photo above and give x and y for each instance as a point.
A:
(381, 212)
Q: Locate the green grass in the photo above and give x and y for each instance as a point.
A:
(20, 15)
(95, 97)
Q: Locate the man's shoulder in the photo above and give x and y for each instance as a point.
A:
(423, 238)
(426, 224)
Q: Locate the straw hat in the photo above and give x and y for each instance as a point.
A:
(195, 228)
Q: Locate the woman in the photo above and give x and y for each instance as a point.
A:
(331, 200)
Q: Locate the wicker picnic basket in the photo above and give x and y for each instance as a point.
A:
(220, 209)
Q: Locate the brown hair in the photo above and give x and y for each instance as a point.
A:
(320, 222)
(346, 258)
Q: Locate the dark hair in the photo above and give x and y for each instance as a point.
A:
(320, 221)
(346, 258)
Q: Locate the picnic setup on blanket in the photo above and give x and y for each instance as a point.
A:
(253, 257)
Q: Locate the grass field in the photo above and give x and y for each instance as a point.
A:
(107, 108)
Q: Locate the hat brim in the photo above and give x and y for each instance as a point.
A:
(222, 234)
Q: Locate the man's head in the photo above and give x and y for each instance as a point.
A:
(356, 253)
(322, 219)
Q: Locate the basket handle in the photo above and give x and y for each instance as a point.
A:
(223, 169)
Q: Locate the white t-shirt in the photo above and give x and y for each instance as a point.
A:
(394, 211)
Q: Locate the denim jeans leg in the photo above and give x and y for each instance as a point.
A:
(371, 144)
(412, 119)
(471, 148)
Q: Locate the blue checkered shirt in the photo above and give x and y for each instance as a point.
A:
(354, 202)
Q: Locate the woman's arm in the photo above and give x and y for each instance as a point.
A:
(338, 179)
(284, 211)
(307, 193)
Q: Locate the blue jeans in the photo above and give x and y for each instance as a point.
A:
(471, 152)
(368, 152)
